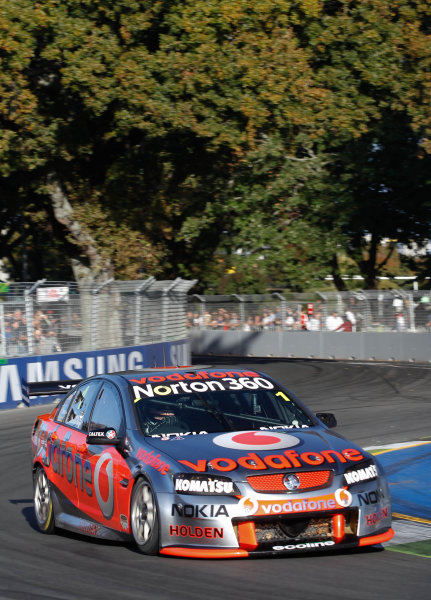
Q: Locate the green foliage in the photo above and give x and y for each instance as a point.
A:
(239, 143)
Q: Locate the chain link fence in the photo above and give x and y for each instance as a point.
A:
(47, 317)
(378, 311)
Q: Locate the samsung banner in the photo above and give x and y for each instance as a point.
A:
(15, 373)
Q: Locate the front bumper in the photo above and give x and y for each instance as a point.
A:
(247, 541)
(257, 523)
(275, 535)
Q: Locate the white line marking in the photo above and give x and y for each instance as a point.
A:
(408, 531)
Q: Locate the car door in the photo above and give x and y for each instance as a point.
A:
(111, 476)
(74, 467)
(58, 458)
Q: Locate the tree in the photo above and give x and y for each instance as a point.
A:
(175, 135)
(375, 57)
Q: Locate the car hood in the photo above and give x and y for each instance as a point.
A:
(242, 453)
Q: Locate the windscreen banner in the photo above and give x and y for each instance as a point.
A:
(15, 373)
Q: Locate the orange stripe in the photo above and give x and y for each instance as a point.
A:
(247, 535)
(204, 553)
(338, 528)
(377, 539)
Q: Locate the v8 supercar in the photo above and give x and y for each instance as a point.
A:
(202, 462)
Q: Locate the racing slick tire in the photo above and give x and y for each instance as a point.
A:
(144, 517)
(43, 507)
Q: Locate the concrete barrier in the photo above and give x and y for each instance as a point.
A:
(15, 373)
(387, 346)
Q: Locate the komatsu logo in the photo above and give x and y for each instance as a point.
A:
(365, 474)
(204, 486)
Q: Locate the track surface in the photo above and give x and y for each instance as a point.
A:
(374, 404)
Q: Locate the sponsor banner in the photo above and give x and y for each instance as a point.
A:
(196, 375)
(177, 436)
(76, 470)
(148, 458)
(288, 460)
(190, 531)
(358, 475)
(15, 373)
(367, 498)
(251, 506)
(204, 486)
(375, 517)
(215, 381)
(305, 546)
(199, 511)
(52, 294)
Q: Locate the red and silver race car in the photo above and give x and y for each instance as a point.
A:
(202, 462)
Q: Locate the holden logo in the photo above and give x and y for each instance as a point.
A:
(256, 440)
(291, 481)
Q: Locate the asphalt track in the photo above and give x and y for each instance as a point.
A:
(375, 405)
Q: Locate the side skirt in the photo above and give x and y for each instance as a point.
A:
(90, 528)
(77, 522)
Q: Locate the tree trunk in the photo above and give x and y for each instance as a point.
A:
(335, 272)
(100, 306)
(368, 267)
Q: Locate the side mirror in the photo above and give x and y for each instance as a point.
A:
(106, 436)
(327, 419)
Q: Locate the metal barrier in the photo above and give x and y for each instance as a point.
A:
(386, 346)
(353, 311)
(46, 317)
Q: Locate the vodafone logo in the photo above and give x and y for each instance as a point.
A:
(249, 506)
(343, 497)
(105, 483)
(256, 440)
(252, 506)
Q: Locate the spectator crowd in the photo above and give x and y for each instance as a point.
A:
(47, 331)
(58, 330)
(315, 317)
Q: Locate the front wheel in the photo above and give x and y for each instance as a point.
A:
(43, 507)
(144, 518)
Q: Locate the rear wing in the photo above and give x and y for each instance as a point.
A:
(51, 388)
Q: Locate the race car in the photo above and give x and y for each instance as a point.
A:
(204, 462)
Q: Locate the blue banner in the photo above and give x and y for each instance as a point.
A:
(15, 373)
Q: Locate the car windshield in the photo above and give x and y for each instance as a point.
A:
(217, 410)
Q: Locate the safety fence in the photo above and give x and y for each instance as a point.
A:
(42, 318)
(353, 311)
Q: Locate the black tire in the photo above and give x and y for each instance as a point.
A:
(43, 507)
(144, 518)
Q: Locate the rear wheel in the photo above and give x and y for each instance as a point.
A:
(144, 518)
(43, 507)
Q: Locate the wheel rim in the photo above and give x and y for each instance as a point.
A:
(42, 497)
(143, 514)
